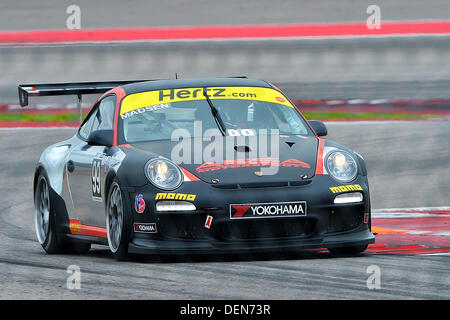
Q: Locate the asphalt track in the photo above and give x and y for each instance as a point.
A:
(408, 167)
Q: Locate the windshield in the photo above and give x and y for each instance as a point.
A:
(154, 115)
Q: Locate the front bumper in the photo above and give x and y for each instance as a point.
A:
(325, 225)
(145, 246)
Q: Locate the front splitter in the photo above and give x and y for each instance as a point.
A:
(347, 239)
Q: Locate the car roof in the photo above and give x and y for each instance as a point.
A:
(193, 83)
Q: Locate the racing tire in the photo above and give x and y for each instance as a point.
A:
(349, 251)
(45, 217)
(45, 222)
(118, 222)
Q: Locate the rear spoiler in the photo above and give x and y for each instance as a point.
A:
(71, 88)
(62, 89)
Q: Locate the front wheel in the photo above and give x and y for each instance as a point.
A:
(354, 250)
(117, 222)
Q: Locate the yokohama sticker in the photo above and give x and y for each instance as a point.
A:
(145, 227)
(268, 210)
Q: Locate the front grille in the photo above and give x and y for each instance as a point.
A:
(266, 229)
(182, 226)
(343, 220)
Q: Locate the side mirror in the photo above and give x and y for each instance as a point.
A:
(319, 127)
(101, 138)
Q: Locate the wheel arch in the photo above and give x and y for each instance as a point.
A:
(37, 172)
(59, 209)
(108, 182)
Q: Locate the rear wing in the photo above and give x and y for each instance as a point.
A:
(74, 88)
(62, 89)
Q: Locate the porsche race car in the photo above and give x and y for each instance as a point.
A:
(211, 165)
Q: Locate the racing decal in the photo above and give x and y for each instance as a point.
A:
(96, 179)
(268, 210)
(143, 110)
(175, 196)
(208, 222)
(120, 93)
(351, 187)
(320, 154)
(143, 100)
(145, 227)
(139, 203)
(251, 162)
(187, 176)
(76, 227)
(106, 163)
(241, 132)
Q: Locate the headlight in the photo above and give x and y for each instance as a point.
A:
(341, 166)
(163, 173)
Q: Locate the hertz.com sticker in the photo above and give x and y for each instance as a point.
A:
(161, 97)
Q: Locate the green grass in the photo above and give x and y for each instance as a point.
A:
(72, 117)
(59, 117)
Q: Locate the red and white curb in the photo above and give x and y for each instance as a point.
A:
(411, 231)
(411, 212)
(234, 32)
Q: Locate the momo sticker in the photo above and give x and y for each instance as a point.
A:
(351, 187)
(175, 196)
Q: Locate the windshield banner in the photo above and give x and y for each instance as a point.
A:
(161, 97)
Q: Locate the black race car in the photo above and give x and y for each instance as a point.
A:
(213, 165)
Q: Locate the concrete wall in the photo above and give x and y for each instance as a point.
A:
(370, 68)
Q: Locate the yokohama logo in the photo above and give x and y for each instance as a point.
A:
(145, 227)
(267, 210)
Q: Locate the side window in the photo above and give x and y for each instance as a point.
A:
(105, 116)
(85, 129)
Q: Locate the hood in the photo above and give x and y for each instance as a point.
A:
(297, 157)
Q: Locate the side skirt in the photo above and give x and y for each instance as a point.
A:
(83, 239)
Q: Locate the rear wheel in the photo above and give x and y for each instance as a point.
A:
(117, 222)
(45, 222)
(44, 218)
(354, 250)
